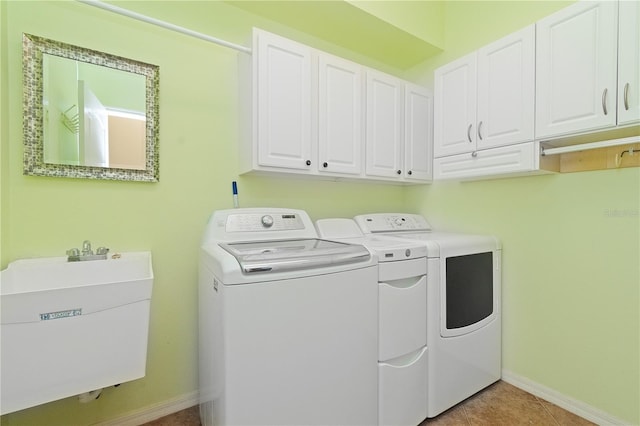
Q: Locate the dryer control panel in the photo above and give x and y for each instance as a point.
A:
(389, 222)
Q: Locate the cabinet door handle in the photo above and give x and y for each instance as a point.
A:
(626, 97)
(399, 172)
(604, 101)
(469, 132)
(325, 164)
(474, 154)
(480, 130)
(410, 172)
(308, 162)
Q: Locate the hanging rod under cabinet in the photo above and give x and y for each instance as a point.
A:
(592, 145)
(163, 24)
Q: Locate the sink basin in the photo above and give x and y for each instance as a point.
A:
(52, 273)
(72, 327)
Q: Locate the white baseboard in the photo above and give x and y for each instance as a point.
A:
(154, 412)
(570, 404)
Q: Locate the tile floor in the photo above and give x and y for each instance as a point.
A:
(501, 404)
(504, 404)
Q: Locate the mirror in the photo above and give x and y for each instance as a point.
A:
(88, 114)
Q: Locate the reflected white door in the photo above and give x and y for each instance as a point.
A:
(94, 128)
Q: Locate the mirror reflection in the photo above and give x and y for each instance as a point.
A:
(93, 115)
(88, 114)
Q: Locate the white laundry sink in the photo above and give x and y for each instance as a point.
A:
(72, 327)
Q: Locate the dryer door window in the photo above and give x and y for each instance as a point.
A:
(469, 293)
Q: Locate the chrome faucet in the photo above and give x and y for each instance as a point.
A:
(74, 255)
(86, 248)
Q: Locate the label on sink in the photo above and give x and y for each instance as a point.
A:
(60, 314)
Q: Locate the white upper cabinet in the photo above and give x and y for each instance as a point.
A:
(629, 62)
(282, 79)
(399, 129)
(576, 68)
(418, 133)
(506, 90)
(573, 73)
(315, 114)
(511, 160)
(339, 115)
(455, 106)
(384, 125)
(486, 99)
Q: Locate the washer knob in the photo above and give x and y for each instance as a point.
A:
(267, 221)
(398, 221)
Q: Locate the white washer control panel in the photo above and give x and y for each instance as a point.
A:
(244, 222)
(388, 222)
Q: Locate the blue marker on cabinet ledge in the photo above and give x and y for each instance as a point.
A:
(234, 186)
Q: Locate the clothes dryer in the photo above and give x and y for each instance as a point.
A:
(287, 323)
(463, 306)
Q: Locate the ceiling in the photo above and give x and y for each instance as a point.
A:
(347, 25)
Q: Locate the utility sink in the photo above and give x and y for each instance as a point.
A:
(72, 327)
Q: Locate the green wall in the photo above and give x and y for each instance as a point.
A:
(198, 160)
(60, 92)
(570, 276)
(116, 89)
(4, 146)
(571, 242)
(571, 248)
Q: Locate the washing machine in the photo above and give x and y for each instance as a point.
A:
(402, 320)
(287, 323)
(463, 306)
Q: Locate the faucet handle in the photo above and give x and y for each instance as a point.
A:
(73, 252)
(102, 250)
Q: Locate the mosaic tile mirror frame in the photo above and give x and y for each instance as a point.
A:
(37, 114)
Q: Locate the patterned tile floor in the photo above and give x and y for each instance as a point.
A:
(504, 404)
(501, 404)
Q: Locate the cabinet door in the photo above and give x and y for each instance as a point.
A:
(418, 133)
(384, 125)
(576, 69)
(504, 160)
(339, 115)
(506, 90)
(283, 107)
(455, 107)
(629, 62)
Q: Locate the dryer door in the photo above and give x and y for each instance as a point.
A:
(470, 291)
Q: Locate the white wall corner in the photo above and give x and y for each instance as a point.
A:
(572, 405)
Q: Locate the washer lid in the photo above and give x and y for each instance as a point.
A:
(289, 255)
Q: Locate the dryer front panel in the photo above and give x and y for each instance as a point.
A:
(470, 289)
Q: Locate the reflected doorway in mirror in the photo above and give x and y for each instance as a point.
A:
(88, 114)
